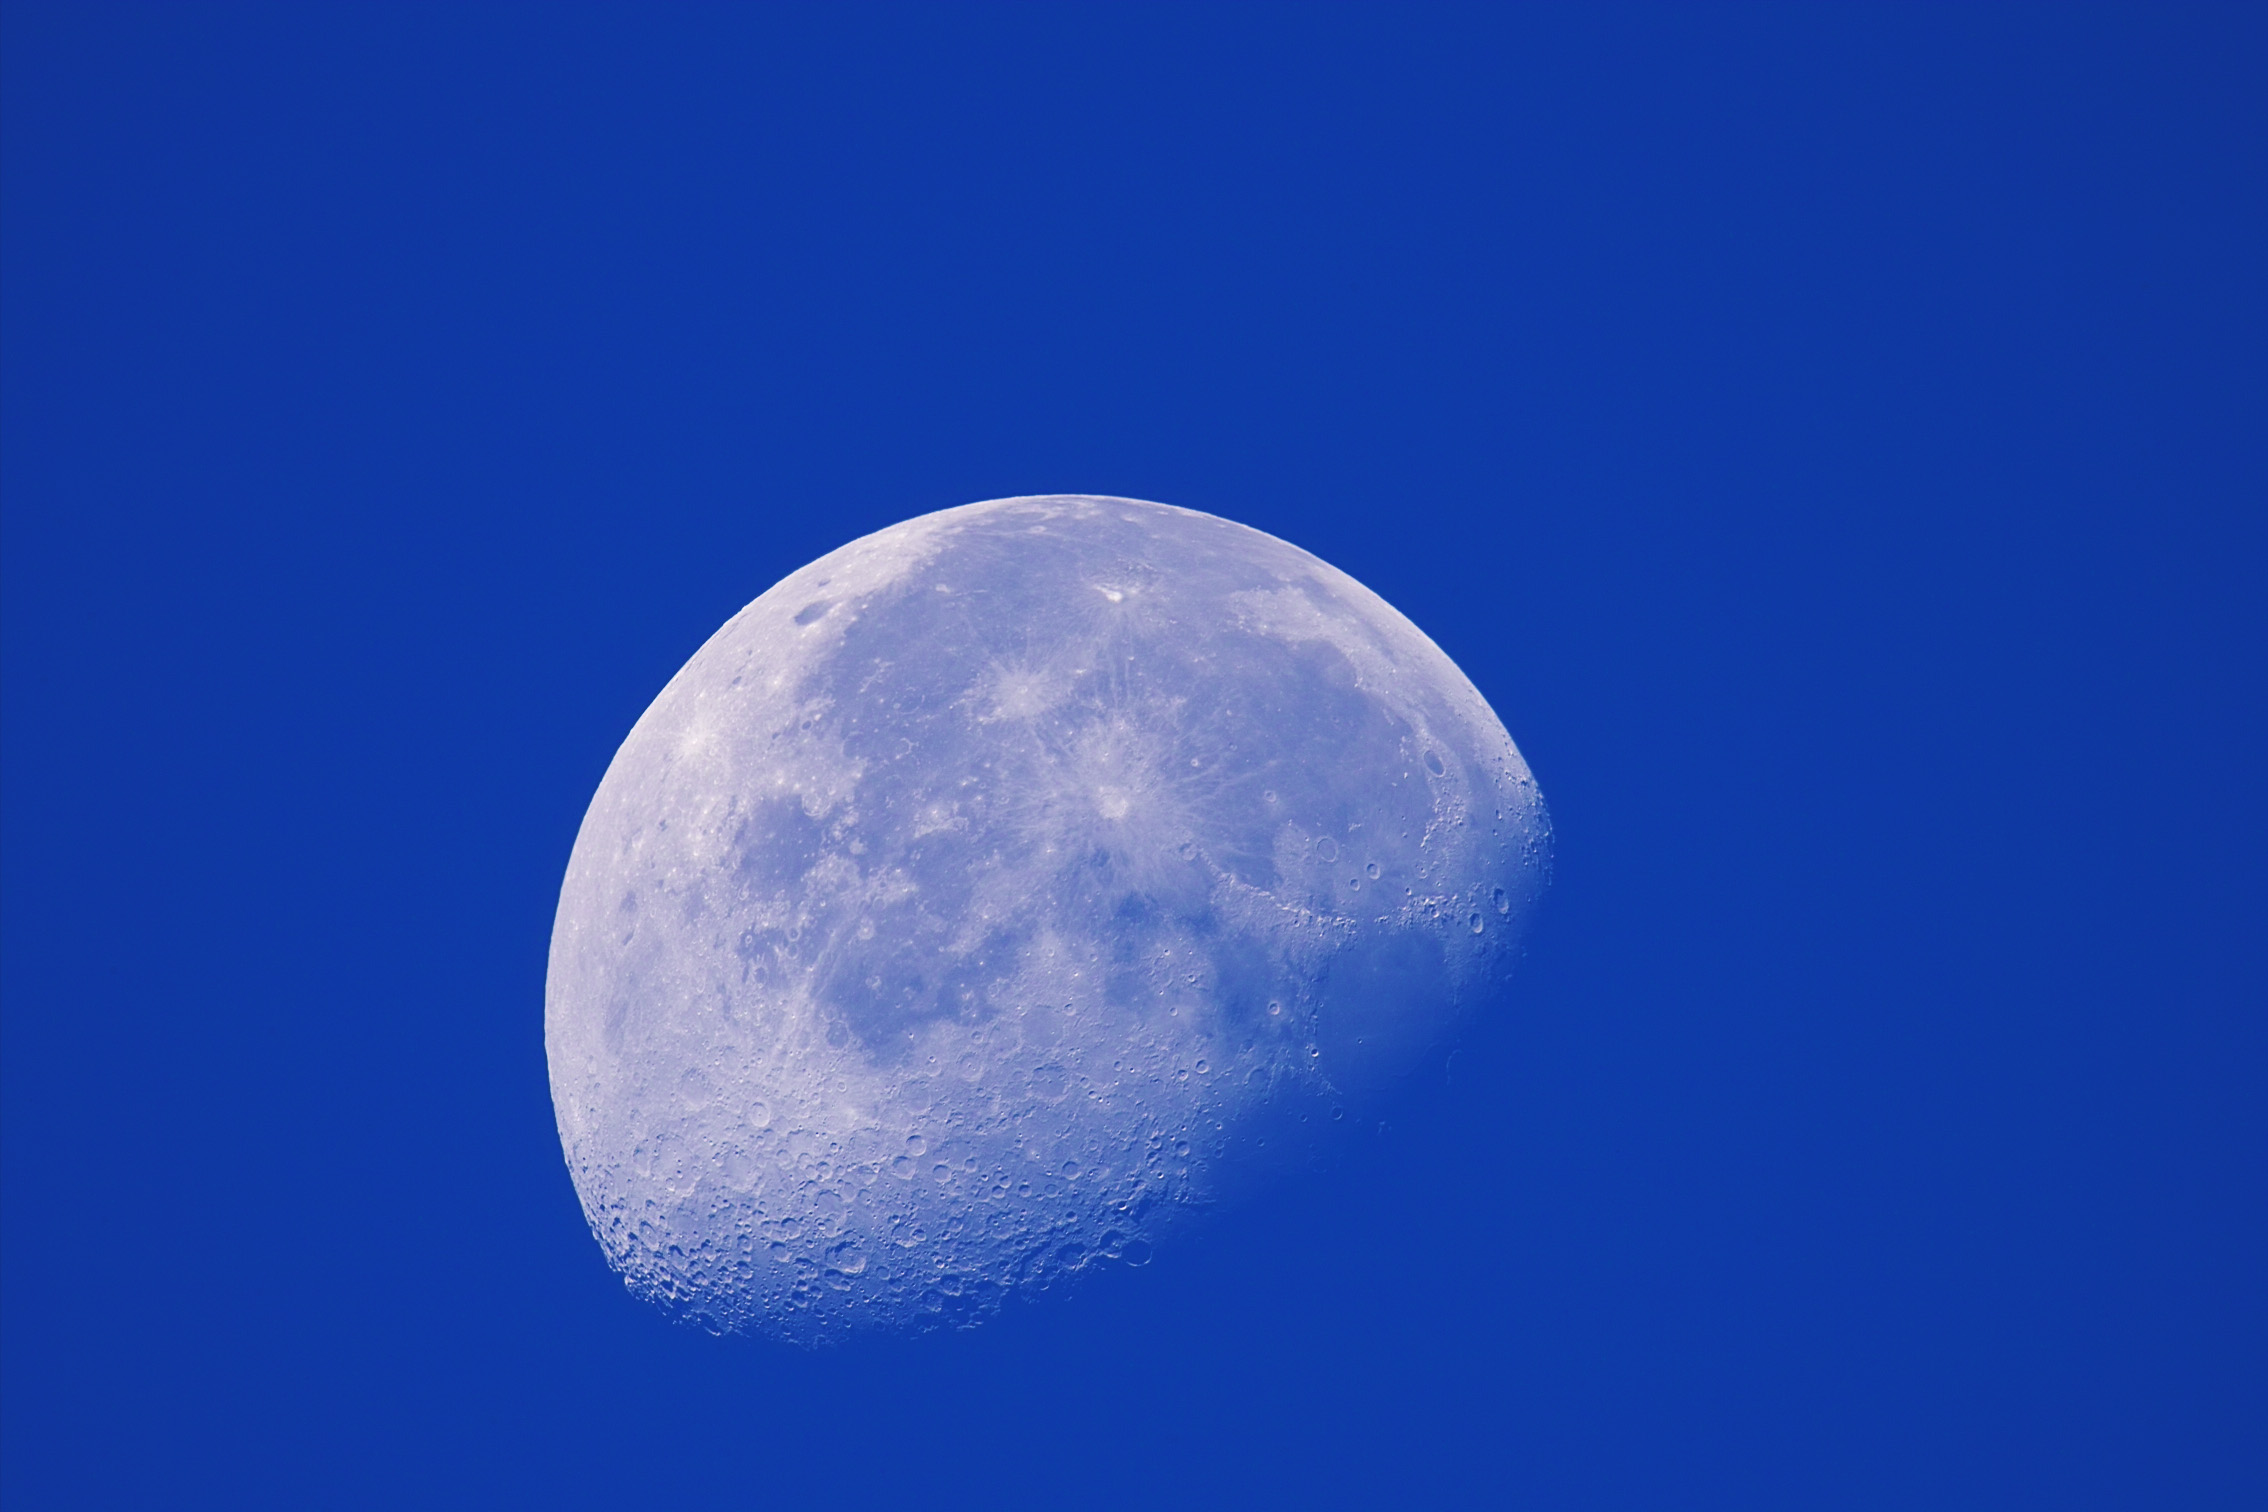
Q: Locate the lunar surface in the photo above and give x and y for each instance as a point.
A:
(1004, 889)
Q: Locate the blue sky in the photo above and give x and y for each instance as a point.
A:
(1831, 437)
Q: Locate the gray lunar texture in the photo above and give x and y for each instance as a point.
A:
(1000, 890)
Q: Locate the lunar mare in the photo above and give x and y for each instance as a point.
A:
(1004, 888)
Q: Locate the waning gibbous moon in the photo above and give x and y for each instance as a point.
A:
(1003, 889)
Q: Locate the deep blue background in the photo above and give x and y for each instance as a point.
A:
(1833, 438)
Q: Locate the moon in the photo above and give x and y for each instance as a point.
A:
(1002, 891)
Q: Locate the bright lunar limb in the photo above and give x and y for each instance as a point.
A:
(1000, 890)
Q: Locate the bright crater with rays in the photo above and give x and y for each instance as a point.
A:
(1003, 889)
